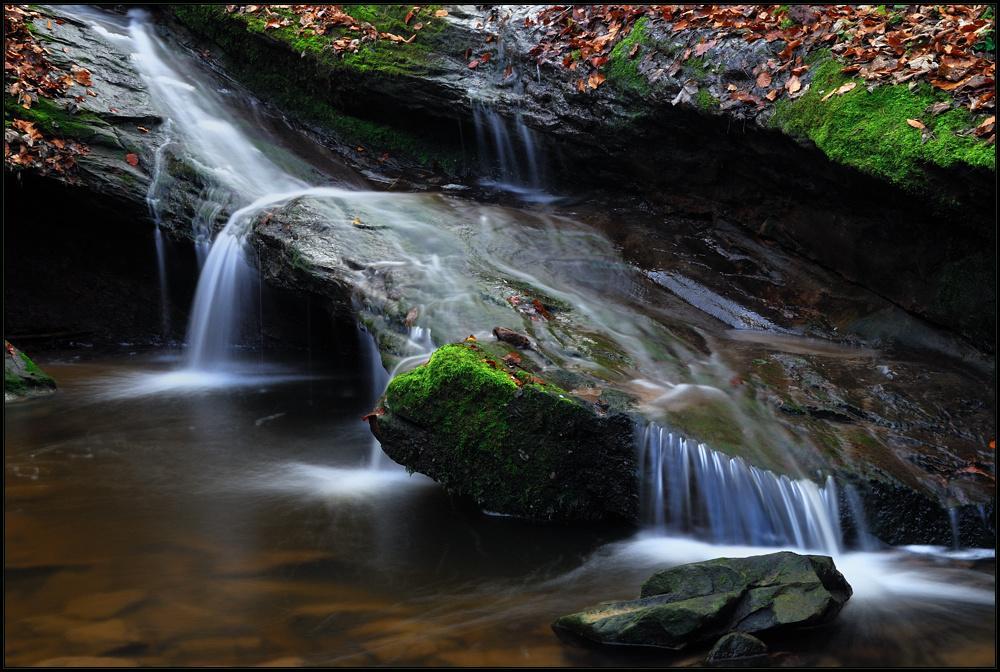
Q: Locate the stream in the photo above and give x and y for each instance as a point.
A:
(224, 505)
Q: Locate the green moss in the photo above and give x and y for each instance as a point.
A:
(705, 100)
(869, 130)
(53, 120)
(497, 441)
(622, 70)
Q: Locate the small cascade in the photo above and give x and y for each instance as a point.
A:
(693, 490)
(158, 185)
(510, 160)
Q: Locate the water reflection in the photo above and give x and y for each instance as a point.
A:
(241, 526)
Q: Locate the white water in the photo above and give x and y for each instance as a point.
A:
(693, 490)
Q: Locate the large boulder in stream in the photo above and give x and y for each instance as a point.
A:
(515, 443)
(702, 601)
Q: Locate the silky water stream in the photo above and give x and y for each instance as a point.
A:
(216, 506)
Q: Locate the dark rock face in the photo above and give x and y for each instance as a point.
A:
(512, 442)
(701, 601)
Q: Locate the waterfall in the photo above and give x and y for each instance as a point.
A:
(511, 161)
(693, 490)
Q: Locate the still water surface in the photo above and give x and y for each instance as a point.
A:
(237, 522)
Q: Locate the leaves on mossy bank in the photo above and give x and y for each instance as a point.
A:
(323, 20)
(28, 74)
(945, 46)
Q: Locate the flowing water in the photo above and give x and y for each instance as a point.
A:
(210, 506)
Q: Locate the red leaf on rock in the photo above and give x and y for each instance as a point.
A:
(473, 65)
(764, 80)
(374, 414)
(541, 308)
(132, 159)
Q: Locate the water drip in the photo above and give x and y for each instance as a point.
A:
(692, 490)
(508, 160)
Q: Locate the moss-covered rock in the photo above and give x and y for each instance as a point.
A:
(516, 444)
(21, 377)
(702, 601)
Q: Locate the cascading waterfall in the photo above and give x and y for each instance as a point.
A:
(691, 489)
(511, 161)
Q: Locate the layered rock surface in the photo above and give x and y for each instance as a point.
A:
(702, 601)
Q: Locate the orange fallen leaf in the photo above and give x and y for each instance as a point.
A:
(473, 65)
(793, 84)
(841, 91)
(132, 159)
(143, 129)
(441, 12)
(595, 80)
(374, 414)
(764, 80)
(915, 124)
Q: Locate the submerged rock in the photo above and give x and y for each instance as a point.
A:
(736, 647)
(702, 601)
(21, 377)
(516, 444)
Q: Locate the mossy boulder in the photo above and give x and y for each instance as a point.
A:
(513, 442)
(21, 377)
(702, 601)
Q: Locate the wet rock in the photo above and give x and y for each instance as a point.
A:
(21, 377)
(701, 601)
(736, 647)
(511, 441)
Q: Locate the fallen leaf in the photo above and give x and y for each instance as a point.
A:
(508, 72)
(793, 84)
(541, 309)
(361, 149)
(411, 317)
(132, 159)
(441, 12)
(635, 48)
(593, 82)
(143, 129)
(486, 57)
(764, 80)
(772, 94)
(511, 359)
(914, 123)
(841, 91)
(473, 65)
(112, 110)
(409, 15)
(468, 53)
(373, 415)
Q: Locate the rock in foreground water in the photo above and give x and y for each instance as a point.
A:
(515, 443)
(701, 601)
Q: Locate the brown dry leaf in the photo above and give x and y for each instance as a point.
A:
(772, 94)
(411, 317)
(986, 127)
(581, 85)
(473, 65)
(508, 72)
(915, 124)
(793, 84)
(841, 91)
(595, 80)
(272, 23)
(132, 159)
(486, 57)
(441, 12)
(764, 80)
